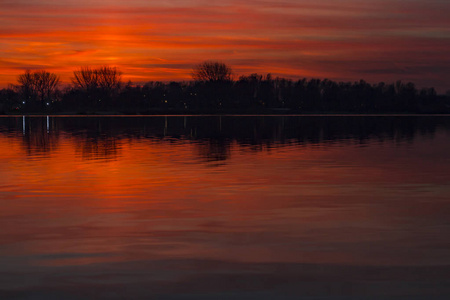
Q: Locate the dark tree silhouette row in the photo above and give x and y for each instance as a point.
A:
(213, 90)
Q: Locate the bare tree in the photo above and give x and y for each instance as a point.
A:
(27, 86)
(38, 85)
(100, 87)
(47, 84)
(85, 78)
(212, 71)
(106, 78)
(109, 78)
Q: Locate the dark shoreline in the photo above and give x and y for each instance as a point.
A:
(222, 113)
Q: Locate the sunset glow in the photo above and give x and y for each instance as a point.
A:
(377, 40)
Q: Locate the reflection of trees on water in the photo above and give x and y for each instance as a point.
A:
(98, 148)
(102, 137)
(40, 143)
(214, 150)
(95, 140)
(40, 136)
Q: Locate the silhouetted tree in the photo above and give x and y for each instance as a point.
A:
(100, 86)
(213, 89)
(9, 100)
(38, 86)
(212, 71)
(109, 78)
(214, 84)
(85, 79)
(247, 90)
(105, 77)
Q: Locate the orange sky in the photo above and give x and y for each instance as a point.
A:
(378, 40)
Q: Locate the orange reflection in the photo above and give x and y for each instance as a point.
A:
(117, 199)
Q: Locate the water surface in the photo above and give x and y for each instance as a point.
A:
(225, 207)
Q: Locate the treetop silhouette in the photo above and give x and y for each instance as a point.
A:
(212, 71)
(108, 78)
(214, 90)
(38, 86)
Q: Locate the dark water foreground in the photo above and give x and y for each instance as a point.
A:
(225, 207)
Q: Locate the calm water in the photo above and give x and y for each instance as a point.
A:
(225, 207)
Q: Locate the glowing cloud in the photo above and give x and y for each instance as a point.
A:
(150, 40)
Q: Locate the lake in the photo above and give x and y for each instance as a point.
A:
(225, 207)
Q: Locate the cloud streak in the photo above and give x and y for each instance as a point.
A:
(149, 40)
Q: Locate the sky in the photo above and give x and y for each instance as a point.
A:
(345, 40)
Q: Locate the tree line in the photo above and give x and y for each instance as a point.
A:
(213, 89)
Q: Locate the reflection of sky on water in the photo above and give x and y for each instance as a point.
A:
(122, 211)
